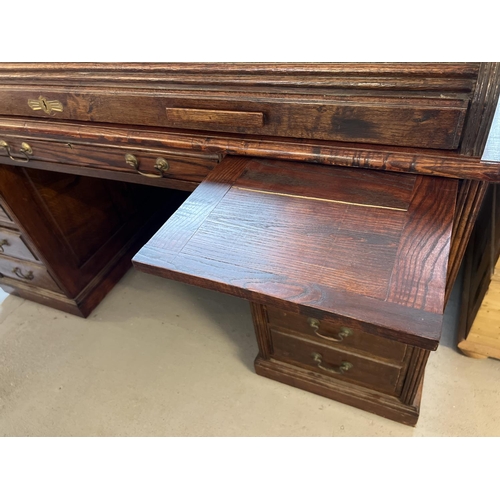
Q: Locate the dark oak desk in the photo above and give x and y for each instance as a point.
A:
(350, 189)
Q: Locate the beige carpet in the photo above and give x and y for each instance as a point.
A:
(158, 358)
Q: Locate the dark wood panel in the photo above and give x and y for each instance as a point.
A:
(76, 204)
(471, 200)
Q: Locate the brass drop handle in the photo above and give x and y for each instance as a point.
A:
(17, 271)
(341, 335)
(161, 166)
(340, 370)
(25, 150)
(3, 243)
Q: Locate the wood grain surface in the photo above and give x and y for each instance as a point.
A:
(383, 262)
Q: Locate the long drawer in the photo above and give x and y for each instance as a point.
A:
(430, 122)
(341, 333)
(156, 164)
(28, 273)
(340, 365)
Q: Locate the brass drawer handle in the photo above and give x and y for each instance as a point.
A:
(161, 165)
(17, 271)
(340, 370)
(343, 333)
(25, 150)
(3, 243)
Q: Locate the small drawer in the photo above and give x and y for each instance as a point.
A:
(28, 273)
(341, 333)
(155, 163)
(12, 244)
(344, 366)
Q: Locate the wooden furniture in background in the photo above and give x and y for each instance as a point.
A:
(95, 157)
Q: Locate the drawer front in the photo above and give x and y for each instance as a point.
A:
(413, 121)
(340, 365)
(153, 163)
(12, 244)
(27, 273)
(343, 333)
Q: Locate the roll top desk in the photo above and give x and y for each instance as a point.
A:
(337, 198)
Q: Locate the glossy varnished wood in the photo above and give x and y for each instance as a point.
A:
(331, 252)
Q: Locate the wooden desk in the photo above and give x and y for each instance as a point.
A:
(96, 157)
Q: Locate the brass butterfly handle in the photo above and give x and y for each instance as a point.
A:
(338, 370)
(341, 335)
(3, 243)
(24, 150)
(161, 166)
(17, 271)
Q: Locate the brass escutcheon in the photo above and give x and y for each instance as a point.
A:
(44, 104)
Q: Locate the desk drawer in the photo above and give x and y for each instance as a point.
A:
(12, 244)
(28, 273)
(418, 121)
(152, 163)
(340, 365)
(341, 333)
